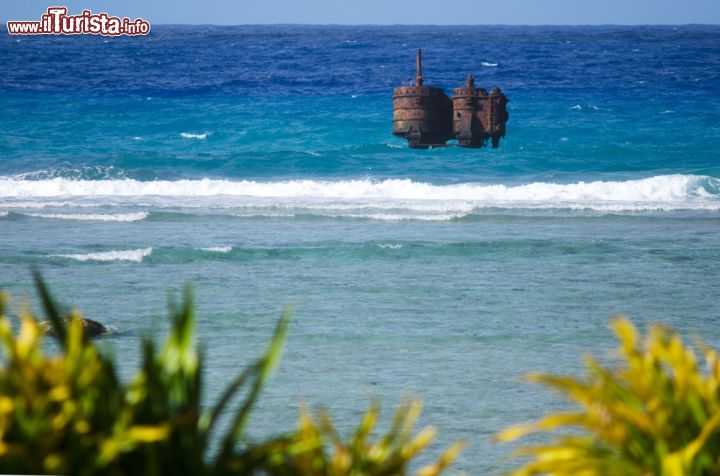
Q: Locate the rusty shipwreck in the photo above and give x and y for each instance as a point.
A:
(427, 117)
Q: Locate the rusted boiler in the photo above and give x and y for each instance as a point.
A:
(478, 116)
(422, 114)
(426, 117)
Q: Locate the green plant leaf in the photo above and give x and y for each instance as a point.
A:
(261, 371)
(51, 310)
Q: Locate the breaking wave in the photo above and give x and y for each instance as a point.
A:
(217, 249)
(190, 135)
(380, 199)
(135, 256)
(121, 217)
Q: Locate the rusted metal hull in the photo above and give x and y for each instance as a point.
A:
(422, 115)
(426, 117)
(468, 107)
(478, 116)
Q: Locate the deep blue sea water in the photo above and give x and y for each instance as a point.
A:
(257, 162)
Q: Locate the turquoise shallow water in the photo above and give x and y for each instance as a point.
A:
(266, 175)
(455, 312)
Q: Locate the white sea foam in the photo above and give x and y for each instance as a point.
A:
(30, 204)
(374, 197)
(328, 211)
(217, 249)
(576, 107)
(85, 172)
(422, 206)
(391, 246)
(255, 214)
(121, 217)
(191, 135)
(398, 216)
(4, 213)
(488, 65)
(135, 256)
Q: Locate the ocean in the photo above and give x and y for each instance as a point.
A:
(257, 163)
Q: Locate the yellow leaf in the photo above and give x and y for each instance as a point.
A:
(59, 393)
(549, 422)
(514, 432)
(147, 433)
(6, 405)
(422, 440)
(626, 332)
(27, 340)
(445, 460)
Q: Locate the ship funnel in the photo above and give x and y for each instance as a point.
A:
(419, 80)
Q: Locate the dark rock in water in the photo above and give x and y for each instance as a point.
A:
(92, 328)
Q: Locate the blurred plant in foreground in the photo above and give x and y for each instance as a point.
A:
(657, 414)
(69, 413)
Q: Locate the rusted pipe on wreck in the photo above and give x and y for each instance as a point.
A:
(419, 79)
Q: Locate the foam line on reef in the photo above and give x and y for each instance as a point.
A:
(217, 249)
(119, 217)
(135, 256)
(663, 192)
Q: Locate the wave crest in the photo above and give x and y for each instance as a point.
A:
(664, 192)
(217, 249)
(120, 217)
(191, 135)
(135, 256)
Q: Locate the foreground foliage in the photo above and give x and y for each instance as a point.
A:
(69, 413)
(657, 414)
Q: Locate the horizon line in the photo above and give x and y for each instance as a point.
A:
(554, 25)
(442, 24)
